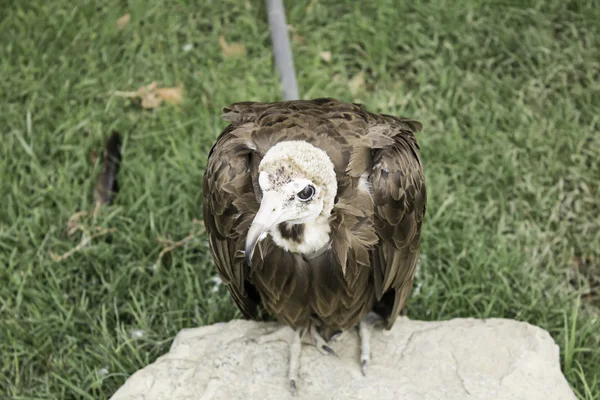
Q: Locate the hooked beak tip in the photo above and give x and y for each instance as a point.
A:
(254, 235)
(268, 215)
(249, 257)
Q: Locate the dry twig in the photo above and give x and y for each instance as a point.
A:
(85, 240)
(170, 245)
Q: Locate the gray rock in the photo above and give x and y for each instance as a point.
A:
(458, 359)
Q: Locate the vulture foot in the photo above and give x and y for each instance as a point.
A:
(294, 339)
(319, 342)
(364, 329)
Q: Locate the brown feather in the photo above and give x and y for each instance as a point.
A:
(107, 185)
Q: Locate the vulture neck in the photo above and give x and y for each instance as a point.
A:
(306, 238)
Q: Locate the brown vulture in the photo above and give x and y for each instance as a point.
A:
(313, 210)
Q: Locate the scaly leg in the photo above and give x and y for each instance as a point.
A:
(295, 350)
(364, 329)
(294, 339)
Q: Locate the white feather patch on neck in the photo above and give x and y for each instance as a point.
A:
(315, 237)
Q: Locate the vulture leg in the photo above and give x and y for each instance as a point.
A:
(294, 340)
(295, 350)
(364, 329)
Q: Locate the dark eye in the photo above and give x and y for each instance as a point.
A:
(307, 193)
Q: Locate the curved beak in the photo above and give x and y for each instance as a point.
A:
(269, 214)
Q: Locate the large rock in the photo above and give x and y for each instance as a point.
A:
(458, 359)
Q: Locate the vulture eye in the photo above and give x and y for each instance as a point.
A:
(307, 193)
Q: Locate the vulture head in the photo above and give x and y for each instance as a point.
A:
(298, 185)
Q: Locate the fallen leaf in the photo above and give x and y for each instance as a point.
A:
(152, 96)
(231, 49)
(171, 95)
(357, 83)
(150, 99)
(325, 56)
(123, 21)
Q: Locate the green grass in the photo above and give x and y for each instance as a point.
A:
(509, 95)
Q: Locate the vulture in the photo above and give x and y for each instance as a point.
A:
(313, 209)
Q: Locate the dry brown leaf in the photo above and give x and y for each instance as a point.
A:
(152, 96)
(231, 49)
(357, 83)
(123, 21)
(150, 99)
(172, 95)
(325, 56)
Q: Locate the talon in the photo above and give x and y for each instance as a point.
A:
(329, 350)
(320, 343)
(294, 341)
(364, 331)
(335, 335)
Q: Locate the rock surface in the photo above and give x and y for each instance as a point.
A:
(458, 359)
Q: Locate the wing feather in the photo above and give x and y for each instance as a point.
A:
(228, 204)
(399, 197)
